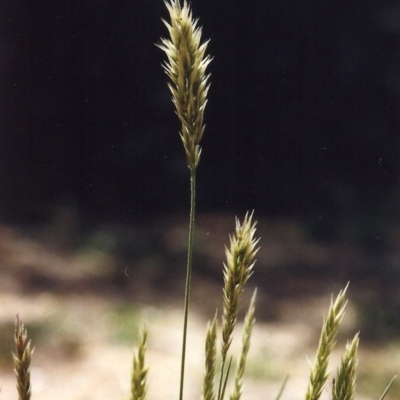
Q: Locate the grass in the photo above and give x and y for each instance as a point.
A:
(224, 370)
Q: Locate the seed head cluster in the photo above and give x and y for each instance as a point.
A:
(22, 360)
(319, 373)
(186, 68)
(237, 270)
(344, 387)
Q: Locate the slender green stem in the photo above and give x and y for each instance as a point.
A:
(282, 388)
(221, 377)
(226, 379)
(188, 273)
(388, 387)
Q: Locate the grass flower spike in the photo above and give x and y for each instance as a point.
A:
(139, 373)
(22, 360)
(248, 327)
(211, 353)
(319, 373)
(237, 271)
(186, 68)
(345, 383)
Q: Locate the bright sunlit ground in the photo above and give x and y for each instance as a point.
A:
(84, 336)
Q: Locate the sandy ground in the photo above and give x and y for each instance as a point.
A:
(100, 367)
(84, 336)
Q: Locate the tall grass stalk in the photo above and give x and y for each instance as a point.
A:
(186, 67)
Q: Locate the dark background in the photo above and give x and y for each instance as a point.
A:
(302, 126)
(302, 119)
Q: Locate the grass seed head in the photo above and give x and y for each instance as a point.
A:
(247, 330)
(22, 360)
(319, 373)
(237, 270)
(186, 67)
(139, 373)
(211, 355)
(345, 383)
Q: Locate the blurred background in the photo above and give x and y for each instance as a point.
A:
(302, 126)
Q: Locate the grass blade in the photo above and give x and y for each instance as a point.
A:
(387, 388)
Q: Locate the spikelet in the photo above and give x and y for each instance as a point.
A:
(186, 68)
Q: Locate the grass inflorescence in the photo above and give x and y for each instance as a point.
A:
(139, 371)
(345, 382)
(189, 84)
(319, 373)
(22, 360)
(186, 68)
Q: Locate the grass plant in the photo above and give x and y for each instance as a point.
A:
(139, 371)
(248, 327)
(189, 84)
(319, 373)
(22, 360)
(344, 386)
(186, 68)
(210, 364)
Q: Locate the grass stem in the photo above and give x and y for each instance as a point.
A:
(188, 274)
